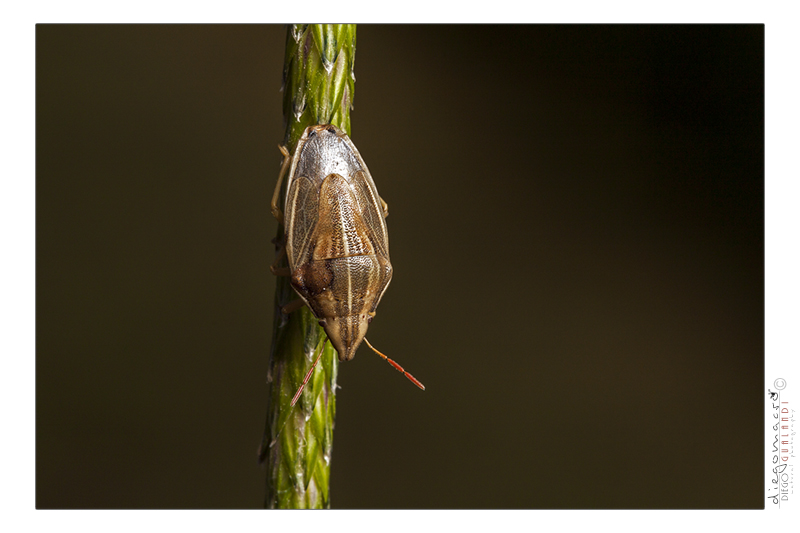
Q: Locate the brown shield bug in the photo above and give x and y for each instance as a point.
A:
(335, 239)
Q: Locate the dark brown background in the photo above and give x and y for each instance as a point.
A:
(577, 237)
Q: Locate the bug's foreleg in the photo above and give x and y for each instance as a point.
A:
(385, 207)
(284, 271)
(287, 161)
(274, 268)
(293, 306)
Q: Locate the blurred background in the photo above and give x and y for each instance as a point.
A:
(577, 235)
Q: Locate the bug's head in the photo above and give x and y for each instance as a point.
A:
(346, 333)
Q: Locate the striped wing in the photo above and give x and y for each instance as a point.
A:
(372, 213)
(301, 219)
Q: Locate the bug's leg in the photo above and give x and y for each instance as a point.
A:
(293, 306)
(385, 207)
(274, 268)
(308, 376)
(397, 367)
(287, 160)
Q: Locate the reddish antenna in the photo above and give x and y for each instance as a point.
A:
(308, 376)
(397, 367)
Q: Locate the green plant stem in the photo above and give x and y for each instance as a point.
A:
(318, 85)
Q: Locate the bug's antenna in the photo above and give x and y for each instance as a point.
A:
(308, 376)
(399, 368)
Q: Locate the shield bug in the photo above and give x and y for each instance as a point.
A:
(335, 240)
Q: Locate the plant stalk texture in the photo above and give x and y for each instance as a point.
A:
(318, 85)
